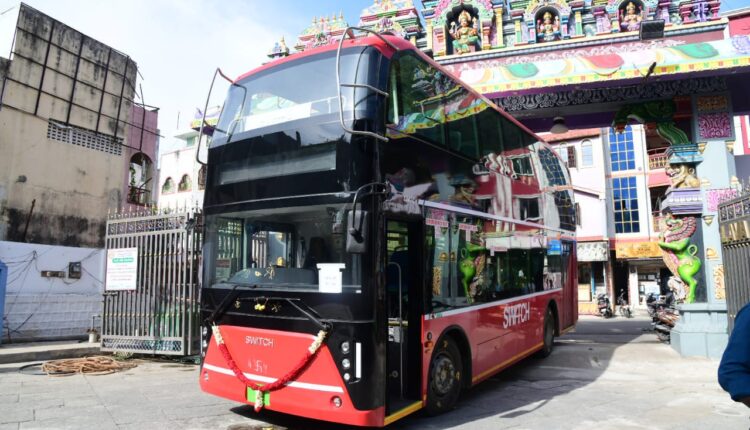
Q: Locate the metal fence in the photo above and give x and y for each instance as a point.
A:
(734, 222)
(161, 315)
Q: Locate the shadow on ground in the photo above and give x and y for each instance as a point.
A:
(580, 358)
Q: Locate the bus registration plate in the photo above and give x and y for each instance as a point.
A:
(251, 397)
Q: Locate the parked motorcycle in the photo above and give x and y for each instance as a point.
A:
(623, 306)
(605, 309)
(665, 321)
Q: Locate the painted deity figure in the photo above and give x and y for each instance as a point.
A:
(464, 35)
(548, 28)
(630, 19)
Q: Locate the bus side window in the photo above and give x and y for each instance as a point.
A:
(462, 127)
(417, 100)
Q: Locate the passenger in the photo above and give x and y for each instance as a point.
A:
(734, 370)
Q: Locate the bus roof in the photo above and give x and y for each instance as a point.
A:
(402, 45)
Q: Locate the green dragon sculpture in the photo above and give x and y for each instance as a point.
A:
(679, 253)
(660, 113)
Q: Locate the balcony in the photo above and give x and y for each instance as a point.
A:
(657, 217)
(658, 158)
(139, 196)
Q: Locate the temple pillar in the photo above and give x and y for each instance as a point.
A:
(499, 42)
(517, 25)
(702, 328)
(430, 35)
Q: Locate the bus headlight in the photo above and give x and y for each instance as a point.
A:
(347, 377)
(345, 347)
(346, 364)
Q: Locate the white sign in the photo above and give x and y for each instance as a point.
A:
(122, 269)
(329, 277)
(593, 251)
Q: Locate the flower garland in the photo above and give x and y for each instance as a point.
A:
(261, 389)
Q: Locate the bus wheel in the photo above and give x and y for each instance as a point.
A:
(445, 377)
(549, 334)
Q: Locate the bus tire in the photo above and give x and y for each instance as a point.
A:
(444, 385)
(548, 335)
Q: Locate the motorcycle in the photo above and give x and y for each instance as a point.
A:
(623, 306)
(602, 302)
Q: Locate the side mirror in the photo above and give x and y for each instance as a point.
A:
(357, 226)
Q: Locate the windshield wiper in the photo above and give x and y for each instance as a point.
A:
(222, 308)
(297, 304)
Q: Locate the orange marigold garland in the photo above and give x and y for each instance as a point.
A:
(261, 389)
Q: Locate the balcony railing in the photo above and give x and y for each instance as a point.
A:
(657, 217)
(657, 158)
(139, 196)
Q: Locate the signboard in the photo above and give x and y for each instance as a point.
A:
(554, 247)
(592, 251)
(638, 250)
(329, 277)
(122, 269)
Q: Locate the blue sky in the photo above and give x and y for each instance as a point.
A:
(179, 43)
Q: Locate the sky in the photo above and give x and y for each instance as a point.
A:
(178, 44)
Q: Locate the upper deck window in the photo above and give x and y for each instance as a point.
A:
(300, 89)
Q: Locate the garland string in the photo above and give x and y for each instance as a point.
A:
(310, 353)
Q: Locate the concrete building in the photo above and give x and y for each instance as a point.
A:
(69, 129)
(585, 156)
(182, 178)
(74, 145)
(620, 180)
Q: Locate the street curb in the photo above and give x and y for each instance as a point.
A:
(44, 354)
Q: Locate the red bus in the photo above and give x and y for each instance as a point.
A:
(378, 238)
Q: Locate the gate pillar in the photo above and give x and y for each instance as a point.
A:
(702, 328)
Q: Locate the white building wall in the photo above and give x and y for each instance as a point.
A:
(44, 308)
(175, 164)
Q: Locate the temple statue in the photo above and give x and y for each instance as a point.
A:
(465, 35)
(547, 29)
(630, 18)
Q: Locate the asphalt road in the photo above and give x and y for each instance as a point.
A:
(608, 374)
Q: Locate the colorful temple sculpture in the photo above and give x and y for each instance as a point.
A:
(398, 17)
(601, 64)
(322, 31)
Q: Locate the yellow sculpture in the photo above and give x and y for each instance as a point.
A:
(630, 20)
(547, 29)
(464, 35)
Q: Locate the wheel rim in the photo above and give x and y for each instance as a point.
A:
(443, 374)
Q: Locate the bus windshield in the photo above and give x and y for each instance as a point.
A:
(298, 90)
(290, 248)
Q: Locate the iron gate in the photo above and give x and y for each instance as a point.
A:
(734, 222)
(161, 315)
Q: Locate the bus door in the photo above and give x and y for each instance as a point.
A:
(404, 307)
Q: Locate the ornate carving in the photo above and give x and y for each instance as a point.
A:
(715, 126)
(711, 103)
(548, 28)
(657, 90)
(678, 253)
(719, 289)
(682, 176)
(714, 197)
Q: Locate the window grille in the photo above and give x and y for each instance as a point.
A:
(85, 138)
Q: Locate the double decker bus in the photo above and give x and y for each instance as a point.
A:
(378, 238)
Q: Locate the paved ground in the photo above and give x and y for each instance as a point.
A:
(607, 375)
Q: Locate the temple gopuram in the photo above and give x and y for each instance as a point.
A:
(675, 69)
